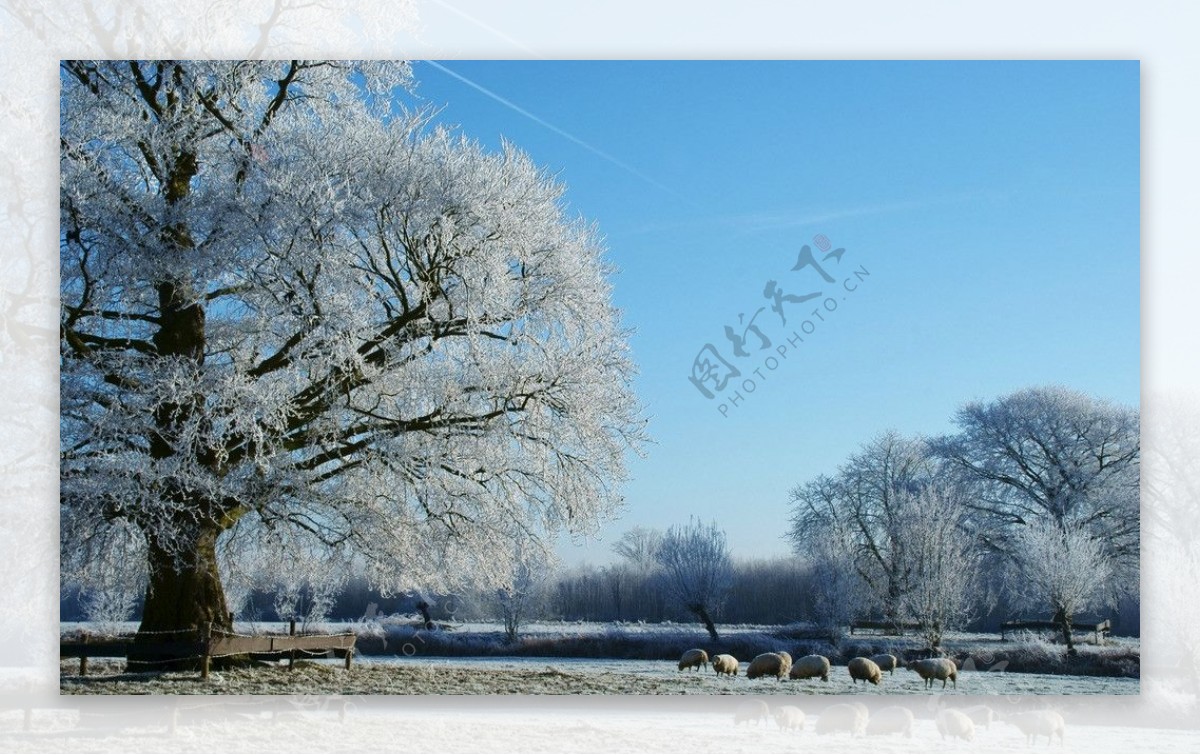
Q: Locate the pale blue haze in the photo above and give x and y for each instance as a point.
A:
(995, 205)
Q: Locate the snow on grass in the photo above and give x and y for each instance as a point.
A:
(542, 676)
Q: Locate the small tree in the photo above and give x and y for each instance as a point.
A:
(697, 568)
(943, 563)
(521, 594)
(839, 594)
(1061, 565)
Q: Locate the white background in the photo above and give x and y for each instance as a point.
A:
(35, 35)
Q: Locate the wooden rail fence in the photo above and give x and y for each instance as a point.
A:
(209, 644)
(884, 627)
(1101, 629)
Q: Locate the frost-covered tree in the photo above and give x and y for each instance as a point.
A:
(863, 507)
(522, 593)
(943, 562)
(638, 547)
(839, 594)
(697, 569)
(1063, 567)
(1052, 454)
(298, 320)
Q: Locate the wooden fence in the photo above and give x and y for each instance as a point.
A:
(208, 643)
(883, 627)
(1101, 629)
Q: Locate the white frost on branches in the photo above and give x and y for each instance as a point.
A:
(408, 352)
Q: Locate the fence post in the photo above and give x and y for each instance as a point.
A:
(83, 658)
(349, 655)
(292, 652)
(206, 641)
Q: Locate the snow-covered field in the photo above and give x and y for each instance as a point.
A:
(554, 676)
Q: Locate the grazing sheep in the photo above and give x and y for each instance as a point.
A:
(810, 666)
(955, 724)
(1035, 722)
(787, 658)
(789, 717)
(753, 710)
(864, 669)
(725, 664)
(981, 715)
(843, 717)
(767, 664)
(931, 669)
(886, 662)
(893, 719)
(694, 658)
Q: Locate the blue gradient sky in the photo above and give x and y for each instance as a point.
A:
(995, 205)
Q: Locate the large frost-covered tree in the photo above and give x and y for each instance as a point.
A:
(1053, 457)
(298, 320)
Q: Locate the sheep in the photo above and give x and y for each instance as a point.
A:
(864, 669)
(753, 710)
(893, 719)
(1035, 722)
(955, 724)
(886, 662)
(810, 666)
(787, 658)
(789, 717)
(725, 664)
(694, 658)
(843, 717)
(981, 715)
(931, 669)
(767, 664)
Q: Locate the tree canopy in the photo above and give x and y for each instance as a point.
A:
(299, 320)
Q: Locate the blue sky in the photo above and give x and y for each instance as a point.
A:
(994, 205)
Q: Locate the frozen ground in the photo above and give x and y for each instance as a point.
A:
(379, 675)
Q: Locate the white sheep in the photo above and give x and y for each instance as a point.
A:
(843, 717)
(694, 658)
(767, 664)
(787, 658)
(789, 717)
(893, 719)
(886, 662)
(810, 666)
(955, 724)
(752, 710)
(864, 669)
(931, 669)
(725, 664)
(1035, 722)
(981, 715)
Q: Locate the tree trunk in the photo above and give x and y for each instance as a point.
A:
(423, 607)
(1065, 620)
(183, 600)
(702, 612)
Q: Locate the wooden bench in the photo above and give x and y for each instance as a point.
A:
(212, 644)
(1101, 630)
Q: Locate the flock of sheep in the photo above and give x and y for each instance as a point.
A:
(779, 665)
(855, 718)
